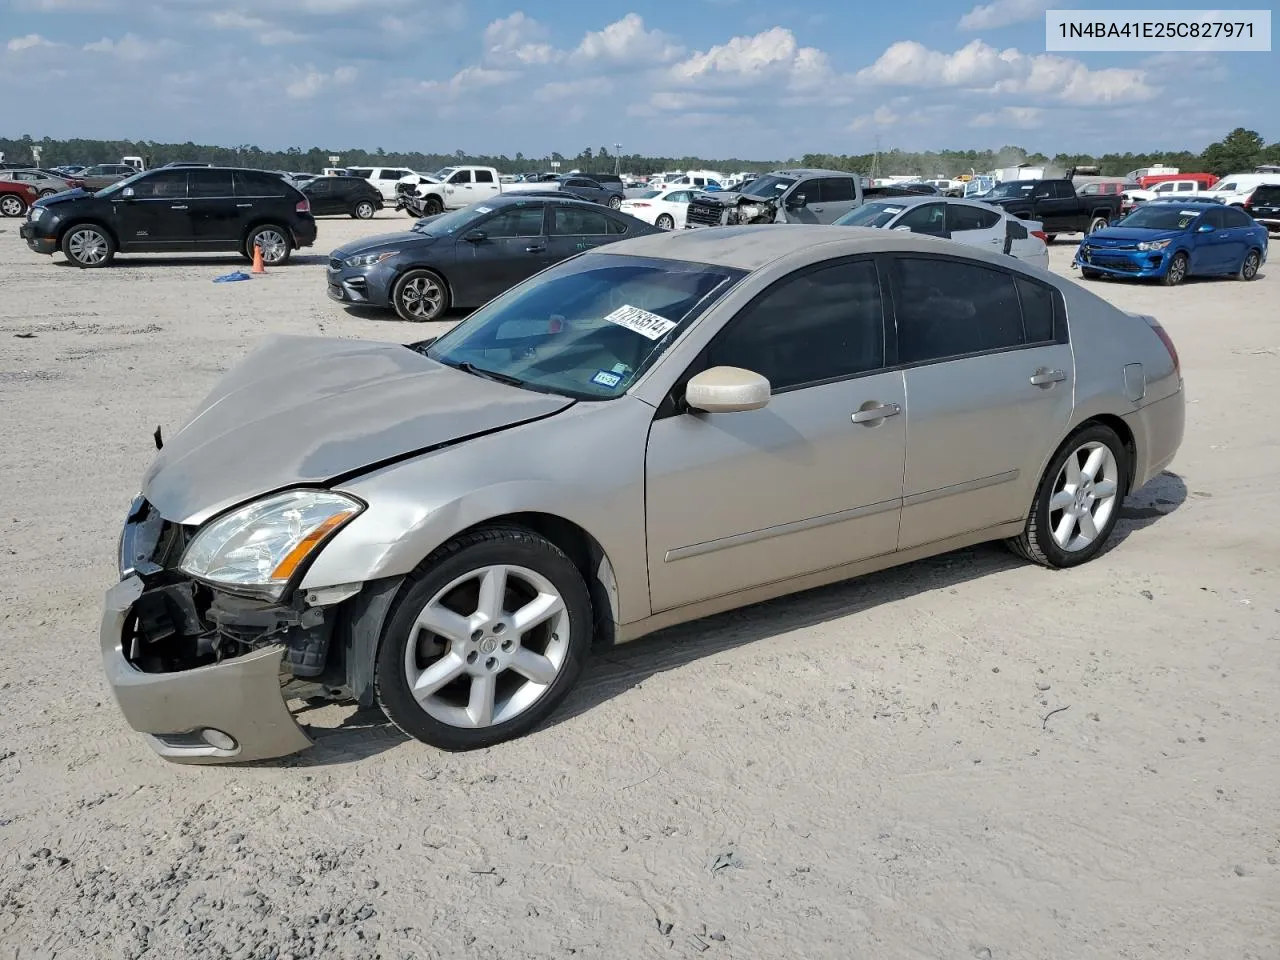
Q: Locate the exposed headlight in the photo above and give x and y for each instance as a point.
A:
(258, 548)
(1154, 244)
(369, 259)
(35, 213)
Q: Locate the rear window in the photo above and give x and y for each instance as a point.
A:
(1267, 195)
(249, 183)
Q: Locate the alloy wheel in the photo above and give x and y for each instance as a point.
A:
(422, 297)
(11, 206)
(1085, 494)
(1177, 270)
(273, 244)
(87, 246)
(1250, 268)
(487, 646)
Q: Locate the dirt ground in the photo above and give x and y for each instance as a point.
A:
(867, 770)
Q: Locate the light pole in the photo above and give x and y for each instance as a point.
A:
(617, 158)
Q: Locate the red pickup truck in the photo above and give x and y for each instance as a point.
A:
(16, 198)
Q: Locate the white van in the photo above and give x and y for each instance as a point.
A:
(1235, 188)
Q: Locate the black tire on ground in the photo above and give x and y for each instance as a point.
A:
(615, 203)
(1089, 274)
(12, 205)
(1096, 224)
(475, 550)
(80, 243)
(1036, 543)
(1177, 271)
(432, 207)
(412, 296)
(275, 253)
(1249, 268)
(665, 222)
(363, 210)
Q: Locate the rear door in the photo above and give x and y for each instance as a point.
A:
(989, 377)
(514, 247)
(927, 218)
(387, 181)
(574, 229)
(836, 198)
(217, 216)
(321, 194)
(1215, 248)
(975, 226)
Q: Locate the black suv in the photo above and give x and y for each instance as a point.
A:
(1264, 205)
(598, 188)
(176, 210)
(347, 196)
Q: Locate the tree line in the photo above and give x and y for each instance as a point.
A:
(1239, 151)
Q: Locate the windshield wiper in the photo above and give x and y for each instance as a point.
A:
(466, 366)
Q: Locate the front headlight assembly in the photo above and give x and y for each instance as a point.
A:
(369, 259)
(1154, 244)
(256, 549)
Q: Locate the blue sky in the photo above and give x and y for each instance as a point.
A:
(714, 78)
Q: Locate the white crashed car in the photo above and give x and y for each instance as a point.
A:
(965, 221)
(664, 208)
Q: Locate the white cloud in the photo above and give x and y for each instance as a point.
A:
(61, 6)
(519, 38)
(1002, 13)
(130, 47)
(31, 41)
(882, 117)
(978, 66)
(770, 57)
(263, 31)
(468, 79)
(574, 90)
(1021, 118)
(314, 82)
(626, 42)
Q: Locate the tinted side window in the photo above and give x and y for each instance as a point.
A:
(926, 218)
(960, 217)
(947, 308)
(834, 189)
(818, 325)
(484, 176)
(462, 176)
(1063, 190)
(210, 183)
(1213, 218)
(617, 227)
(363, 172)
(1235, 217)
(249, 184)
(576, 222)
(166, 185)
(515, 222)
(1038, 305)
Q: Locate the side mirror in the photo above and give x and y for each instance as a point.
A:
(796, 201)
(727, 390)
(475, 236)
(1205, 228)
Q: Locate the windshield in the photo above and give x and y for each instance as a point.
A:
(449, 223)
(1013, 188)
(1160, 216)
(767, 186)
(443, 173)
(120, 184)
(587, 327)
(871, 215)
(649, 195)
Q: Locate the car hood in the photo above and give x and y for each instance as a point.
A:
(309, 410)
(75, 193)
(384, 241)
(1108, 235)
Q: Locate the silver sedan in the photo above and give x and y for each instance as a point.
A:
(645, 434)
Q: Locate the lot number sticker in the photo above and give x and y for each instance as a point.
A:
(642, 322)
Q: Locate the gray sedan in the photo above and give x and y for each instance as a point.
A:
(45, 182)
(641, 435)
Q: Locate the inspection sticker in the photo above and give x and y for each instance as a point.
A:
(642, 322)
(483, 209)
(607, 379)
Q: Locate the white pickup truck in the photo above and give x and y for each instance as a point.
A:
(462, 185)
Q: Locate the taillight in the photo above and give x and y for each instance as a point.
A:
(1163, 334)
(1041, 235)
(303, 206)
(1248, 202)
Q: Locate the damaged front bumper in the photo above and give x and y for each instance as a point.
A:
(231, 711)
(729, 209)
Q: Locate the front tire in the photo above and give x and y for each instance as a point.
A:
(420, 296)
(47, 192)
(274, 241)
(433, 207)
(1078, 500)
(487, 640)
(1249, 269)
(364, 210)
(1177, 271)
(1096, 224)
(88, 246)
(615, 203)
(12, 205)
(665, 222)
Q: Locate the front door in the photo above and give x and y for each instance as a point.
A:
(158, 214)
(514, 247)
(217, 216)
(990, 380)
(809, 482)
(459, 191)
(1213, 250)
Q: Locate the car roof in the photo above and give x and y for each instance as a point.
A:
(808, 172)
(751, 247)
(508, 199)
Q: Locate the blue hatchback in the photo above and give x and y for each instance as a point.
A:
(1171, 239)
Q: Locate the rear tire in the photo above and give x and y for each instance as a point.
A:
(490, 679)
(1177, 271)
(276, 245)
(88, 246)
(665, 221)
(1096, 224)
(12, 205)
(1249, 268)
(364, 210)
(1072, 519)
(615, 203)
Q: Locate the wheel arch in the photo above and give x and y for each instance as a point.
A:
(265, 221)
(87, 222)
(400, 273)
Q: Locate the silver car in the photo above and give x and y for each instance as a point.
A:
(645, 434)
(964, 221)
(44, 181)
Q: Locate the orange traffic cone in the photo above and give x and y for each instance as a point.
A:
(257, 259)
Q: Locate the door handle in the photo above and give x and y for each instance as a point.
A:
(242, 205)
(536, 248)
(878, 412)
(178, 206)
(1046, 378)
